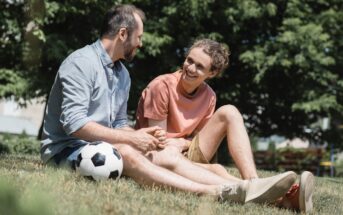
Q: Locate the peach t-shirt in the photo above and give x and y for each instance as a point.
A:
(164, 98)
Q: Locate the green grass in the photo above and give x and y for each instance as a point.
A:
(28, 187)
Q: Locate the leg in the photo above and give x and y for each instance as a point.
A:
(144, 172)
(219, 170)
(259, 190)
(228, 121)
(173, 160)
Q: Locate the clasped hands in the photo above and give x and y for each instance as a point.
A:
(155, 138)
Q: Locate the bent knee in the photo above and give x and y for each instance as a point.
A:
(126, 150)
(131, 156)
(229, 113)
(167, 158)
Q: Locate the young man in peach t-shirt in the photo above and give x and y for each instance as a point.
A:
(183, 104)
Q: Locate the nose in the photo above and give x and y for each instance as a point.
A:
(192, 68)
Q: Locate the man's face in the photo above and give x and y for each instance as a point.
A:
(196, 68)
(134, 40)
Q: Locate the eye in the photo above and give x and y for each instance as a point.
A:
(200, 67)
(190, 60)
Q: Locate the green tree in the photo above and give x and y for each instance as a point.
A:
(285, 70)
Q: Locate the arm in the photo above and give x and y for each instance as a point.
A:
(180, 143)
(141, 139)
(77, 78)
(208, 115)
(154, 104)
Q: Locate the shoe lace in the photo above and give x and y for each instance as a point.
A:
(228, 189)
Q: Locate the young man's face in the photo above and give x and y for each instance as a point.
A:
(134, 41)
(196, 67)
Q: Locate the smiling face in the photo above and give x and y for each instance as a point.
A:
(196, 69)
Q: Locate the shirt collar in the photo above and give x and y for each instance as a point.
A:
(105, 58)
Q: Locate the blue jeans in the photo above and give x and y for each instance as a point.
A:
(67, 157)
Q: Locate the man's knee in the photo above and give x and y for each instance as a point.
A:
(131, 157)
(229, 113)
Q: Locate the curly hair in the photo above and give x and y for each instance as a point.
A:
(218, 52)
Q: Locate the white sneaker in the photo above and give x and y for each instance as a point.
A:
(233, 192)
(267, 190)
(306, 185)
(260, 190)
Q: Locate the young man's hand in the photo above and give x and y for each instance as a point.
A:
(161, 135)
(180, 143)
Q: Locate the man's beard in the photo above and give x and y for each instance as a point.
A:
(128, 51)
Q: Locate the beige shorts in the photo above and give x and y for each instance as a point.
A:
(194, 152)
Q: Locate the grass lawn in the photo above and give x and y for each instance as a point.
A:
(28, 187)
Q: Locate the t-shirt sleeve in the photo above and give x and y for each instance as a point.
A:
(208, 114)
(156, 100)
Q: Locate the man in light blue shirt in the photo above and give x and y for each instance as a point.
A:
(88, 82)
(90, 92)
(88, 103)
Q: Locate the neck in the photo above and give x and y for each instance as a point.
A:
(190, 90)
(112, 47)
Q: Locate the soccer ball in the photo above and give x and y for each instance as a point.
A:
(99, 161)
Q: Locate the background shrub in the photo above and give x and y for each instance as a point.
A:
(19, 144)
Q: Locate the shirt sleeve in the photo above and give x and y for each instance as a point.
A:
(76, 81)
(208, 115)
(121, 117)
(156, 100)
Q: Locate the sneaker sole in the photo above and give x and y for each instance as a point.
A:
(271, 192)
(306, 192)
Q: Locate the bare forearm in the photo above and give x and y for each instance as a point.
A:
(127, 128)
(93, 131)
(141, 139)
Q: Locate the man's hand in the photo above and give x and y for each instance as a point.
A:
(144, 139)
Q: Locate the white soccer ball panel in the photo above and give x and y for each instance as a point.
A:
(100, 173)
(105, 148)
(88, 151)
(112, 164)
(86, 167)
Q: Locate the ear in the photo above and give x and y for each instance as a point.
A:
(213, 74)
(122, 34)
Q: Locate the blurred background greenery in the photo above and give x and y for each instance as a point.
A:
(285, 70)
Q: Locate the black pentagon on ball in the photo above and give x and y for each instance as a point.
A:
(116, 153)
(98, 159)
(114, 174)
(78, 160)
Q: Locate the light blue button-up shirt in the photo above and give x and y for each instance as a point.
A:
(88, 87)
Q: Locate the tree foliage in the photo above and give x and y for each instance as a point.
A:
(285, 64)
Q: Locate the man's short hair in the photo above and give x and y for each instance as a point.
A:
(218, 52)
(120, 16)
